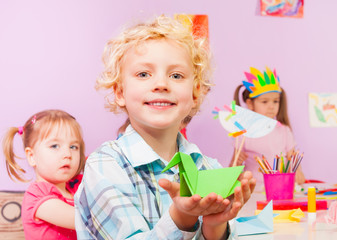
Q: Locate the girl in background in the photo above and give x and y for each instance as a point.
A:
(54, 147)
(264, 95)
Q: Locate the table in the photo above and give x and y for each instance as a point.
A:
(289, 231)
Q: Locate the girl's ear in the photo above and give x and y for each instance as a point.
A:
(250, 104)
(119, 96)
(30, 156)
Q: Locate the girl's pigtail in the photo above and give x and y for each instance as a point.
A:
(236, 95)
(13, 169)
(282, 115)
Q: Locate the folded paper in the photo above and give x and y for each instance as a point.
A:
(221, 181)
(258, 224)
(284, 216)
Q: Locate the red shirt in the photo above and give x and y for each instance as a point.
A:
(36, 194)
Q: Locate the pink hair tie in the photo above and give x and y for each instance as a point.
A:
(34, 119)
(20, 130)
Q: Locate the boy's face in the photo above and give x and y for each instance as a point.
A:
(157, 85)
(267, 104)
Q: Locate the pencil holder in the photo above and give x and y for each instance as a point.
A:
(279, 186)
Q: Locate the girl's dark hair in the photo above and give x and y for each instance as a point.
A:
(282, 115)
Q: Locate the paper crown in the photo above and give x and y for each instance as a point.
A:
(258, 83)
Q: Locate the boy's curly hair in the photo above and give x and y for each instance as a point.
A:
(161, 28)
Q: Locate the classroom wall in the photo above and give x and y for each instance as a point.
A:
(50, 56)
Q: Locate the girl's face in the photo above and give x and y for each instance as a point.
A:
(157, 85)
(267, 104)
(57, 157)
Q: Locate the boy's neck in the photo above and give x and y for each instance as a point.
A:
(163, 142)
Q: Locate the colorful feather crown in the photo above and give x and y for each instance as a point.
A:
(258, 83)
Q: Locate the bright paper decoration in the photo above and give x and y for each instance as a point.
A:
(221, 181)
(260, 83)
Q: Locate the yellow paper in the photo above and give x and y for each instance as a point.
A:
(284, 216)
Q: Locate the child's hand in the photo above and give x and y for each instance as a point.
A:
(214, 225)
(299, 176)
(185, 210)
(241, 159)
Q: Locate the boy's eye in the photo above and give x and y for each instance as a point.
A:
(176, 76)
(143, 75)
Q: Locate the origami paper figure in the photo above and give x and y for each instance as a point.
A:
(221, 181)
(241, 121)
(255, 124)
(284, 216)
(261, 223)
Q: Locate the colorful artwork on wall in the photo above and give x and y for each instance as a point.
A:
(323, 109)
(282, 8)
(198, 24)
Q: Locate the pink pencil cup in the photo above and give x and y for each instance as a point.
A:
(279, 186)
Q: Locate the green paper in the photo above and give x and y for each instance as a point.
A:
(261, 81)
(272, 80)
(221, 181)
(266, 78)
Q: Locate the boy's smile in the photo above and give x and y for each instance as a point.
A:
(157, 85)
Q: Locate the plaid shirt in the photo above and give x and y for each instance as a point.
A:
(119, 197)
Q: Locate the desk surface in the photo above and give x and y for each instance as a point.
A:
(290, 231)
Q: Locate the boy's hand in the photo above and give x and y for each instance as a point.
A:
(214, 225)
(216, 210)
(186, 210)
(241, 196)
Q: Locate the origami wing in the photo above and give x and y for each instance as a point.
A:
(221, 181)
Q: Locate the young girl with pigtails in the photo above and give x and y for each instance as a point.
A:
(54, 147)
(263, 94)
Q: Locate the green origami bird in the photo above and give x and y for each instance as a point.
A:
(221, 181)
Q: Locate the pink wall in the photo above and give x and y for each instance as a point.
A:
(50, 55)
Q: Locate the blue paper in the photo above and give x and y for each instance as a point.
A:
(258, 224)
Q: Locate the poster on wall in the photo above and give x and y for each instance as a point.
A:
(282, 8)
(198, 24)
(323, 109)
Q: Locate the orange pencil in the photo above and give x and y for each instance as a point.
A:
(263, 167)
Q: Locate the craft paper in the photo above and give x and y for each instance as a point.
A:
(197, 24)
(282, 8)
(255, 124)
(259, 83)
(323, 109)
(284, 216)
(261, 223)
(221, 181)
